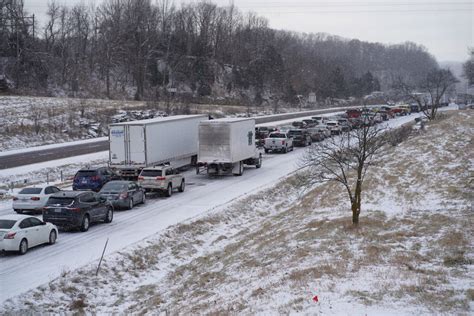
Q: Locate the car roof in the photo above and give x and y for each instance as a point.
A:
(14, 217)
(39, 186)
(69, 193)
(120, 182)
(157, 167)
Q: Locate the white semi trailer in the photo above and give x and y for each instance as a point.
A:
(226, 145)
(169, 140)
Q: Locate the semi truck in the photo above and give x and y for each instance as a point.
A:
(171, 140)
(226, 145)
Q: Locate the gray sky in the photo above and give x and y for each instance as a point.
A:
(445, 27)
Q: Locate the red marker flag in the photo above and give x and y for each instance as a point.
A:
(315, 299)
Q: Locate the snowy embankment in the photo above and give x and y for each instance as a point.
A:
(288, 250)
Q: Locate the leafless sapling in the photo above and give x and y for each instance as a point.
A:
(344, 159)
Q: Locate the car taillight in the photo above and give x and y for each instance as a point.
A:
(10, 235)
(15, 198)
(160, 178)
(74, 209)
(283, 142)
(141, 178)
(123, 195)
(95, 178)
(35, 198)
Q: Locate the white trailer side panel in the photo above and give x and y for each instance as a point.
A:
(137, 145)
(226, 140)
(173, 140)
(117, 145)
(243, 140)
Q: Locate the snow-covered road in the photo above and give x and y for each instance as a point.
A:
(75, 249)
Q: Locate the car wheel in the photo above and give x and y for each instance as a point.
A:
(266, 151)
(169, 191)
(109, 216)
(130, 204)
(259, 163)
(85, 223)
(143, 197)
(23, 247)
(182, 186)
(52, 237)
(285, 150)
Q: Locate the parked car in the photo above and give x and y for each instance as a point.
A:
(285, 128)
(77, 209)
(344, 124)
(334, 127)
(300, 137)
(299, 124)
(92, 179)
(21, 232)
(316, 134)
(310, 123)
(123, 194)
(33, 199)
(319, 119)
(163, 179)
(278, 141)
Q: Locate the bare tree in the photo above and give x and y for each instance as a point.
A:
(344, 159)
(468, 68)
(429, 92)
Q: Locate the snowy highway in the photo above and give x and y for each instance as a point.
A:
(203, 195)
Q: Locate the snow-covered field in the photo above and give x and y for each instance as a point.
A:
(259, 244)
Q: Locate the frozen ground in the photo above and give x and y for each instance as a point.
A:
(256, 245)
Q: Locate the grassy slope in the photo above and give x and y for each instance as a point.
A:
(273, 251)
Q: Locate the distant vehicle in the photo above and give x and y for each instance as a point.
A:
(261, 133)
(285, 128)
(316, 134)
(163, 179)
(92, 179)
(77, 209)
(123, 194)
(33, 199)
(353, 113)
(299, 124)
(414, 108)
(146, 143)
(334, 127)
(226, 145)
(278, 141)
(406, 108)
(310, 123)
(21, 232)
(300, 137)
(324, 130)
(344, 124)
(319, 119)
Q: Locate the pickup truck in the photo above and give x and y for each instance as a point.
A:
(300, 137)
(278, 141)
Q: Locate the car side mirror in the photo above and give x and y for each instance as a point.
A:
(43, 223)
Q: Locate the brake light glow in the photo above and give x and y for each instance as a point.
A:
(95, 178)
(160, 178)
(283, 142)
(141, 178)
(74, 209)
(10, 235)
(35, 198)
(123, 195)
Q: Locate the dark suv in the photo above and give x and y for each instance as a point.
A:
(301, 137)
(77, 209)
(92, 179)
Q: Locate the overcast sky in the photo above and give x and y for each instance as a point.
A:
(445, 27)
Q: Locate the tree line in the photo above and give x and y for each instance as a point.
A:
(142, 48)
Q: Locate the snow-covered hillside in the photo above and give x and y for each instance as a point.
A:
(288, 250)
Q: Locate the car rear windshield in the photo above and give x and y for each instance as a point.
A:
(31, 191)
(6, 223)
(86, 173)
(63, 201)
(277, 135)
(151, 173)
(115, 186)
(295, 132)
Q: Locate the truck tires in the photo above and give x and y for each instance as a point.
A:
(241, 169)
(259, 162)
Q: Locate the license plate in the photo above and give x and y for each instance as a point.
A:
(57, 210)
(84, 181)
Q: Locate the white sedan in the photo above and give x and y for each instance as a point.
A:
(21, 232)
(33, 199)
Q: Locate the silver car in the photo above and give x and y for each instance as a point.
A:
(163, 179)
